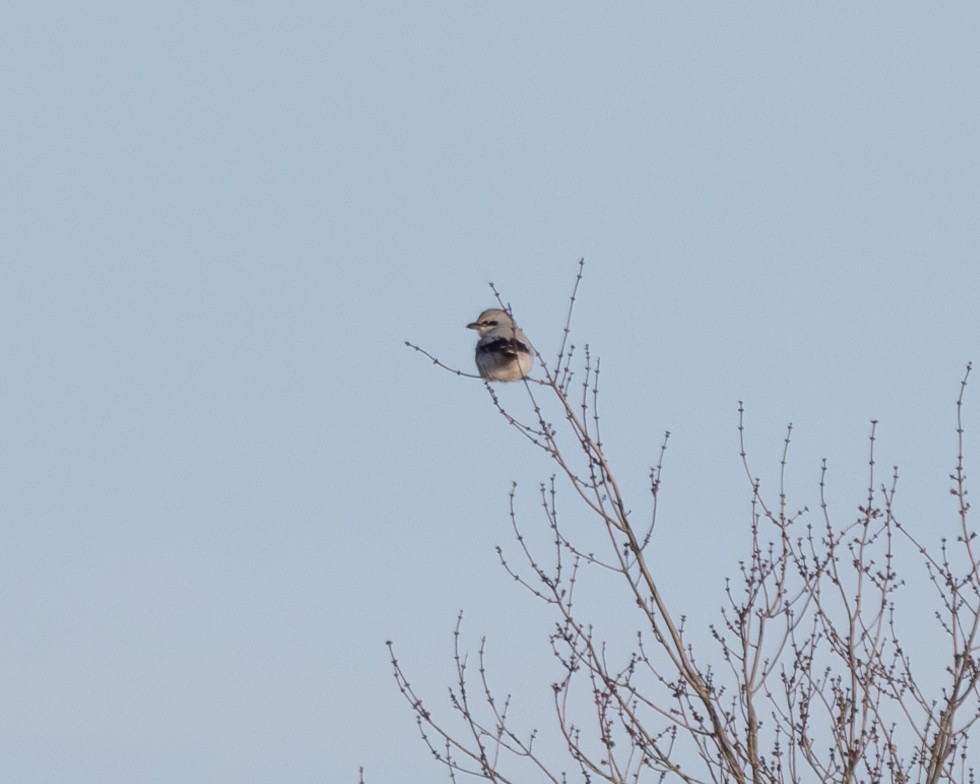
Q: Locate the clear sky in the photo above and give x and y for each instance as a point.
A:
(225, 482)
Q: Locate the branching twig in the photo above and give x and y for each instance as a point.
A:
(808, 680)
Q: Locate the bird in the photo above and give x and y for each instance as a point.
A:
(503, 353)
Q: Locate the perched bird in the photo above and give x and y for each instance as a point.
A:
(503, 353)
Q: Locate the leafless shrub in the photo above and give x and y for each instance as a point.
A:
(807, 679)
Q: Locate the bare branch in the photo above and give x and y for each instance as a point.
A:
(805, 676)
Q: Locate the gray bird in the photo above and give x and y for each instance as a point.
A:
(503, 353)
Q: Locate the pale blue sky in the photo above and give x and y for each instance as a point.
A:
(224, 482)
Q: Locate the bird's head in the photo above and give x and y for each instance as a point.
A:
(491, 318)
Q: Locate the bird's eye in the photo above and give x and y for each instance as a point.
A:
(490, 323)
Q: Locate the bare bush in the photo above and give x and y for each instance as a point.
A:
(807, 678)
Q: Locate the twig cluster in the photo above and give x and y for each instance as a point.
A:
(807, 680)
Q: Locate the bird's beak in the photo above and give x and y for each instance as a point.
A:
(474, 325)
